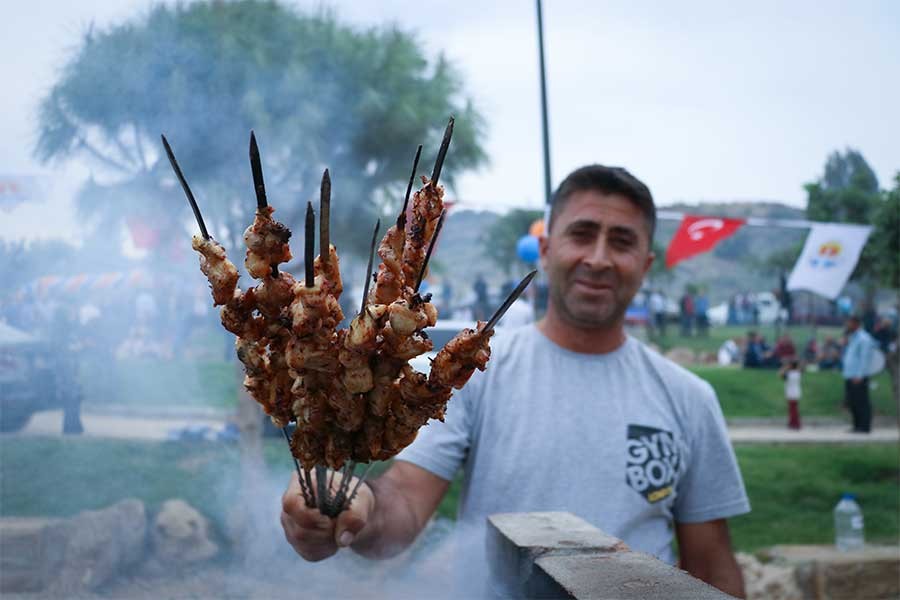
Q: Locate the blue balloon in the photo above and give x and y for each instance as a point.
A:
(527, 248)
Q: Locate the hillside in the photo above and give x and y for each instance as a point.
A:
(733, 266)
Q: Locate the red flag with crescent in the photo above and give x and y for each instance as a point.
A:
(699, 234)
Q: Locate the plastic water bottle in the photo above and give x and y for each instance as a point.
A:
(848, 524)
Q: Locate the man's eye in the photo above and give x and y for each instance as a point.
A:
(623, 241)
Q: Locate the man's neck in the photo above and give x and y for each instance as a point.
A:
(579, 339)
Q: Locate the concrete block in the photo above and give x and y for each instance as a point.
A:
(621, 575)
(515, 540)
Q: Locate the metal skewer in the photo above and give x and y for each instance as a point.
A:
(434, 237)
(346, 476)
(325, 218)
(258, 183)
(513, 296)
(306, 495)
(309, 249)
(369, 267)
(401, 218)
(185, 187)
(442, 153)
(256, 168)
(356, 487)
(322, 498)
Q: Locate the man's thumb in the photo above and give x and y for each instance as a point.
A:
(349, 523)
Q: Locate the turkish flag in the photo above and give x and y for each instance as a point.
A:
(699, 234)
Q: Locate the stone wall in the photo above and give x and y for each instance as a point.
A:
(66, 557)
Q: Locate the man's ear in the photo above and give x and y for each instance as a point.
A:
(543, 248)
(650, 258)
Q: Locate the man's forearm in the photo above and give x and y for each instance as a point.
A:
(724, 574)
(393, 524)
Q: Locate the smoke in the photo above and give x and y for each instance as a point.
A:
(447, 561)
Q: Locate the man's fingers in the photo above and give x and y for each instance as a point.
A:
(350, 522)
(312, 546)
(309, 532)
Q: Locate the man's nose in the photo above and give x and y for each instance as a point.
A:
(598, 256)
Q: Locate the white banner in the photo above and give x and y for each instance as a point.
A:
(828, 258)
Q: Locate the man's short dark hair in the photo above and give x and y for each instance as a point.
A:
(606, 180)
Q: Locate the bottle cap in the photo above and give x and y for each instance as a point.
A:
(848, 496)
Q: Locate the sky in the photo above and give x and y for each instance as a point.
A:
(703, 100)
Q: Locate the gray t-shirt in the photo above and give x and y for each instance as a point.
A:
(627, 440)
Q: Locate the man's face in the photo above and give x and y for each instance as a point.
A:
(595, 257)
(851, 326)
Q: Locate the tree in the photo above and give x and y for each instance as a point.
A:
(885, 240)
(848, 193)
(318, 94)
(499, 242)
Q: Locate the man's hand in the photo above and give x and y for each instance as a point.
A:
(314, 536)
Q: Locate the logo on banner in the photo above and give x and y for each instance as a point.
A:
(653, 462)
(699, 229)
(698, 234)
(828, 256)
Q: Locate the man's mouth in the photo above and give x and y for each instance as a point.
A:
(595, 286)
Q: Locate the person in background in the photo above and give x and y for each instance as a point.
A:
(791, 373)
(753, 355)
(855, 370)
(830, 357)
(885, 334)
(785, 351)
(481, 298)
(446, 297)
(811, 350)
(729, 353)
(658, 312)
(701, 305)
(521, 312)
(687, 313)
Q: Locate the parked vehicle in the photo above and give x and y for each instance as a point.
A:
(768, 308)
(442, 332)
(34, 376)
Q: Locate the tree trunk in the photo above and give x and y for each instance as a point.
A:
(247, 519)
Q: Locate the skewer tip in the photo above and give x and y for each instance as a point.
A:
(442, 152)
(513, 296)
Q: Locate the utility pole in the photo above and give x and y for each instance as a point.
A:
(546, 128)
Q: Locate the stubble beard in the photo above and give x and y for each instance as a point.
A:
(603, 316)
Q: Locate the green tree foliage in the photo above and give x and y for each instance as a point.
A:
(848, 193)
(885, 240)
(500, 241)
(318, 94)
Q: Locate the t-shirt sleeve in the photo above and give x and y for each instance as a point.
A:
(441, 447)
(712, 487)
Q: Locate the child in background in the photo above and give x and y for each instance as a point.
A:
(790, 372)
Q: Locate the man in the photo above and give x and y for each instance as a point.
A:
(855, 369)
(658, 311)
(570, 415)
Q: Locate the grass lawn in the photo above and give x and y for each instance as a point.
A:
(792, 489)
(150, 382)
(147, 383)
(760, 392)
(717, 335)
